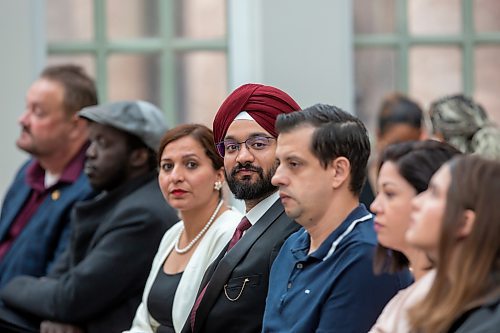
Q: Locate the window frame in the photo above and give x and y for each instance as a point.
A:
(401, 41)
(166, 44)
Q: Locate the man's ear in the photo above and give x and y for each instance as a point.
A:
(341, 169)
(467, 224)
(139, 157)
(79, 127)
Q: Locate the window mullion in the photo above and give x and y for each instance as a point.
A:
(101, 52)
(168, 74)
(403, 45)
(468, 47)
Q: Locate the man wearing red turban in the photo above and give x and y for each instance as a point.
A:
(262, 103)
(234, 289)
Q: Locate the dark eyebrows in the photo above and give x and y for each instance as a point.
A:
(388, 183)
(252, 135)
(184, 157)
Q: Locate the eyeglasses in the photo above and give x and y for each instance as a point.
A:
(254, 143)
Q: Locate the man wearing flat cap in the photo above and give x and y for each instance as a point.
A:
(233, 291)
(97, 284)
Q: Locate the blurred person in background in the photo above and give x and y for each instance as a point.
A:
(405, 171)
(456, 221)
(464, 124)
(191, 177)
(97, 284)
(34, 221)
(399, 119)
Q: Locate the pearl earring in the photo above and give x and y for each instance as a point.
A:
(218, 185)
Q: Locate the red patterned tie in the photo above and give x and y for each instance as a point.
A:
(238, 233)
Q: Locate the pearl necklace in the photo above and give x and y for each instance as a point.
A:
(201, 233)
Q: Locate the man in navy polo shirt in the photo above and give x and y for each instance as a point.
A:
(322, 279)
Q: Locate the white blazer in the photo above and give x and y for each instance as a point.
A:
(217, 236)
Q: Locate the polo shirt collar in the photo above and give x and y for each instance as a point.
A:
(35, 175)
(301, 246)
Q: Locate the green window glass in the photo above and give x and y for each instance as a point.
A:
(169, 52)
(426, 49)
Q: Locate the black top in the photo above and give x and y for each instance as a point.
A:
(482, 319)
(161, 298)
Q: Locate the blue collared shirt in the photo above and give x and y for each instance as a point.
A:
(333, 289)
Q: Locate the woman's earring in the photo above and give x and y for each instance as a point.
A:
(218, 185)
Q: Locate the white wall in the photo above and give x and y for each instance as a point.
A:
(22, 57)
(302, 47)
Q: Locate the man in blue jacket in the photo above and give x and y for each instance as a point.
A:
(34, 219)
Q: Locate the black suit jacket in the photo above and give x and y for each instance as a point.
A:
(235, 299)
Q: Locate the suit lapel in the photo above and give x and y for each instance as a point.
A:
(229, 261)
(11, 212)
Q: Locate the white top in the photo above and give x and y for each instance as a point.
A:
(50, 179)
(217, 236)
(394, 317)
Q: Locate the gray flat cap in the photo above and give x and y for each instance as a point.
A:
(139, 118)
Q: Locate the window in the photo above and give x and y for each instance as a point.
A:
(169, 52)
(426, 49)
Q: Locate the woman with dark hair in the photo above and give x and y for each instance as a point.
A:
(404, 171)
(456, 221)
(191, 175)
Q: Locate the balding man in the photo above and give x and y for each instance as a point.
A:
(234, 288)
(34, 219)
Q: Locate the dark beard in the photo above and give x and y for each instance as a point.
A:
(244, 189)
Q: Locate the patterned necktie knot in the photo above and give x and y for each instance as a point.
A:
(238, 233)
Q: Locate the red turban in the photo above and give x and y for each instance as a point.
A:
(263, 104)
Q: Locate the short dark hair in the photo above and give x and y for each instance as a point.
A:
(416, 162)
(79, 87)
(202, 134)
(337, 133)
(398, 109)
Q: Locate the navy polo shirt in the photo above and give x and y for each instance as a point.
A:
(334, 288)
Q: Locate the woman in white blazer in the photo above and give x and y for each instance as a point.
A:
(190, 177)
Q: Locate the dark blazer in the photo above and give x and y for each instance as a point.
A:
(482, 319)
(99, 282)
(234, 300)
(46, 235)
